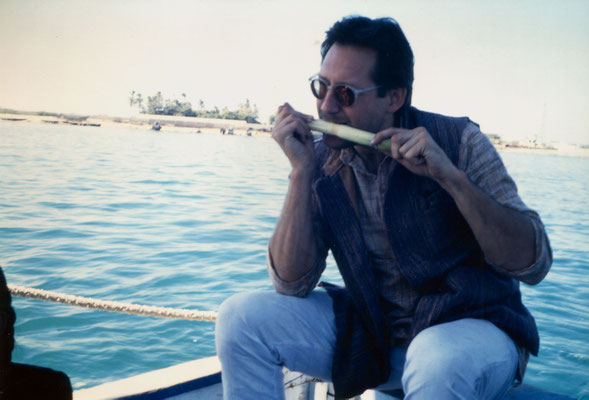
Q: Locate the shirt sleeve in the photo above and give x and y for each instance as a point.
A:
(305, 284)
(301, 287)
(482, 164)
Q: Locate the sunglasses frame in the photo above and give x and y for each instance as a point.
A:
(356, 92)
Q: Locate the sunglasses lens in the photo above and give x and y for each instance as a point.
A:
(345, 96)
(318, 88)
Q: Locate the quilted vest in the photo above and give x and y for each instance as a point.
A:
(433, 248)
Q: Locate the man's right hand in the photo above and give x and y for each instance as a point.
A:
(292, 133)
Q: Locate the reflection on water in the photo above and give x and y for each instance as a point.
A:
(182, 220)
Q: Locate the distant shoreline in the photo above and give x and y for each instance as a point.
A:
(563, 150)
(146, 122)
(236, 127)
(559, 149)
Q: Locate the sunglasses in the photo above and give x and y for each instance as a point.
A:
(345, 95)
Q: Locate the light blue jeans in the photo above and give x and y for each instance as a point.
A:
(260, 332)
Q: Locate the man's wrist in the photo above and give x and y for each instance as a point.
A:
(301, 174)
(455, 181)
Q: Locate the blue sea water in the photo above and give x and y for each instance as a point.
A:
(182, 220)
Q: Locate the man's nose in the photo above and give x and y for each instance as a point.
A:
(329, 104)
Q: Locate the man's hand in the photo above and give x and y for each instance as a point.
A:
(418, 152)
(292, 133)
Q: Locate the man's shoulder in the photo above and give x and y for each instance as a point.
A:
(432, 114)
(446, 130)
(420, 116)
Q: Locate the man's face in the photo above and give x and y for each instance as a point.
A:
(352, 66)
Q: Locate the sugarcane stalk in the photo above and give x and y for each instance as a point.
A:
(345, 132)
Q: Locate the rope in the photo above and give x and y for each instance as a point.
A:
(115, 306)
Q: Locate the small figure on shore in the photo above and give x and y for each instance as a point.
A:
(156, 126)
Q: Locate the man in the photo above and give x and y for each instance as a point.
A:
(430, 237)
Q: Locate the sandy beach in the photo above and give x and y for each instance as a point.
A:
(146, 121)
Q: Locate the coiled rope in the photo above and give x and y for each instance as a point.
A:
(114, 306)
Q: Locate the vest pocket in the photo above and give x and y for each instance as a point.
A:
(440, 217)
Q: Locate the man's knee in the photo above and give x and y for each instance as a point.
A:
(434, 364)
(232, 314)
(463, 359)
(239, 317)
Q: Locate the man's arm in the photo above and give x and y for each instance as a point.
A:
(506, 236)
(292, 249)
(484, 168)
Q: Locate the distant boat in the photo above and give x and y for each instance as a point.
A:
(156, 126)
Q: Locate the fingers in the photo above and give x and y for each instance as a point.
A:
(291, 132)
(294, 127)
(291, 126)
(417, 151)
(404, 143)
(413, 149)
(286, 110)
(398, 138)
(384, 135)
(284, 119)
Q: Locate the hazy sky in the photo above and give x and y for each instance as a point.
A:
(518, 68)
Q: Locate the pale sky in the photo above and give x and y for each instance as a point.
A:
(518, 68)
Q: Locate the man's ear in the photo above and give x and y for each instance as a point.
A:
(396, 98)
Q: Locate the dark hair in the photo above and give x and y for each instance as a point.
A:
(394, 63)
(7, 317)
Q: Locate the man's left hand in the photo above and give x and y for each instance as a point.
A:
(417, 151)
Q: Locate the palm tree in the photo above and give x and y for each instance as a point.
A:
(139, 101)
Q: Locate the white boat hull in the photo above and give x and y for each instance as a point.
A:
(201, 379)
